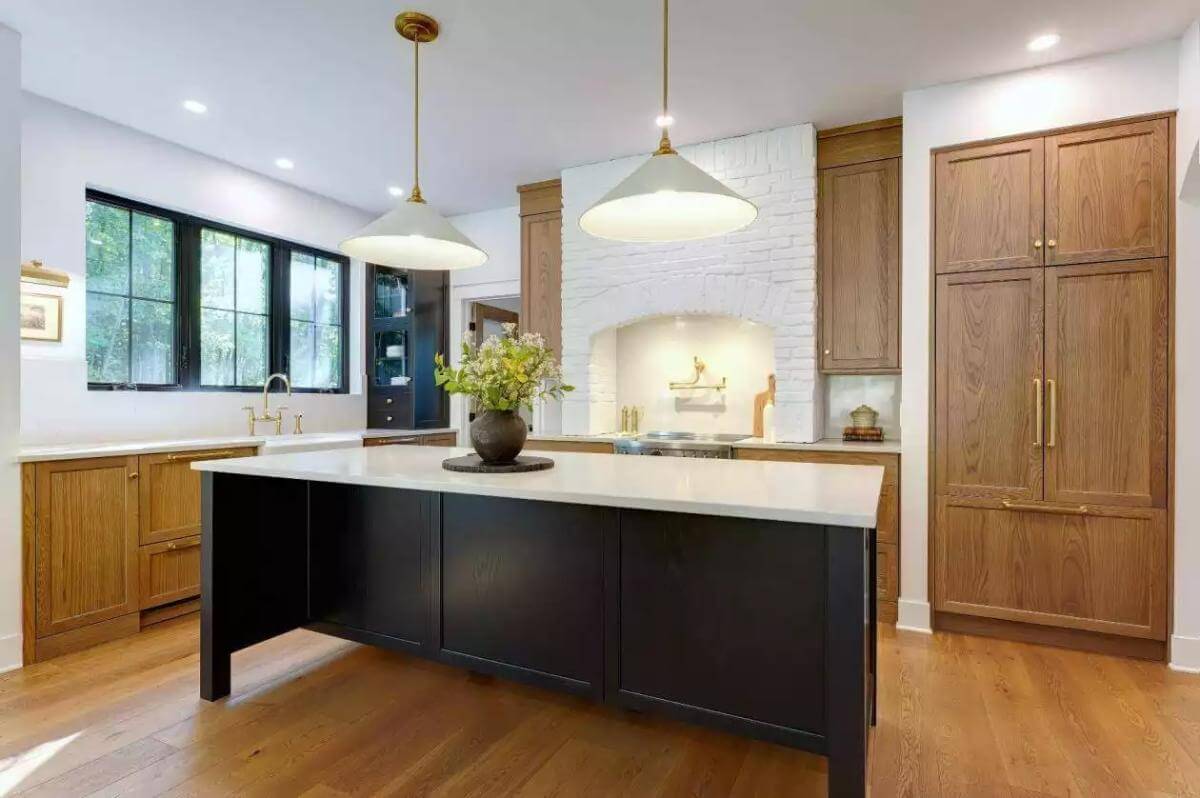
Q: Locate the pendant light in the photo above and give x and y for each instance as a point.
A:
(414, 235)
(668, 198)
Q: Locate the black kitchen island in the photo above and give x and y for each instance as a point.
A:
(738, 595)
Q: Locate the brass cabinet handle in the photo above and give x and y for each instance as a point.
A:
(1081, 509)
(1037, 401)
(175, 545)
(389, 401)
(179, 457)
(1052, 243)
(1037, 243)
(133, 475)
(1052, 388)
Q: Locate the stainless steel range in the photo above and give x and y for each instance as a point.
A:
(680, 444)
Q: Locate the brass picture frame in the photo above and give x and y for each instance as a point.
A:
(41, 317)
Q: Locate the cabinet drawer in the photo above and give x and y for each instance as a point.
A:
(170, 492)
(387, 419)
(394, 440)
(170, 571)
(441, 439)
(1099, 571)
(890, 462)
(887, 572)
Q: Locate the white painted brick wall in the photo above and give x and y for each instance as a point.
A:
(765, 273)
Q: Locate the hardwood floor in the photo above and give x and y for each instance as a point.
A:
(319, 717)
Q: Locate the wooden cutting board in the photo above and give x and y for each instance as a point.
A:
(760, 403)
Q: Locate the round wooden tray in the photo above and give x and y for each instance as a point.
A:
(471, 464)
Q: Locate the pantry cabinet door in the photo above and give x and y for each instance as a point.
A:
(989, 207)
(1107, 196)
(988, 379)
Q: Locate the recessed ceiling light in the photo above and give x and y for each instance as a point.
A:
(396, 191)
(1043, 42)
(195, 106)
(284, 163)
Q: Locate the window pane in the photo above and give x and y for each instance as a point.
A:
(251, 349)
(326, 287)
(153, 342)
(300, 359)
(327, 366)
(107, 230)
(153, 258)
(302, 286)
(216, 347)
(107, 338)
(253, 258)
(217, 259)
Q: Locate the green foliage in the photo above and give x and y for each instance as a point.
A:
(504, 372)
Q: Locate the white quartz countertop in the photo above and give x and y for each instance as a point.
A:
(823, 445)
(838, 495)
(73, 451)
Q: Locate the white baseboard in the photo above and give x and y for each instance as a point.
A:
(1185, 654)
(913, 616)
(11, 655)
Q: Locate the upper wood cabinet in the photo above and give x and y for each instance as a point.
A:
(989, 207)
(1085, 196)
(988, 381)
(859, 211)
(85, 542)
(858, 247)
(1106, 383)
(541, 261)
(1107, 196)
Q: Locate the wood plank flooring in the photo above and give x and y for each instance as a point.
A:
(319, 717)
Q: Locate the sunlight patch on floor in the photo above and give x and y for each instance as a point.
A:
(15, 769)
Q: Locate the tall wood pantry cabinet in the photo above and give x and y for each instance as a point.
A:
(1052, 373)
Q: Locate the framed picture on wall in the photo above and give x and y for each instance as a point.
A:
(41, 317)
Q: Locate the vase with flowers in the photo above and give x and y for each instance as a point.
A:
(503, 374)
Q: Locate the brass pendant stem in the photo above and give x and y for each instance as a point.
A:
(664, 143)
(416, 192)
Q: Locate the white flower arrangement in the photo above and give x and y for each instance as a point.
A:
(504, 372)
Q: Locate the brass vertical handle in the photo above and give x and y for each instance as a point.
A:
(1037, 243)
(1052, 389)
(1038, 412)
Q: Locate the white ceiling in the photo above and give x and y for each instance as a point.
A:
(515, 90)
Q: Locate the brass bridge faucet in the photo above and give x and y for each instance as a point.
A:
(266, 414)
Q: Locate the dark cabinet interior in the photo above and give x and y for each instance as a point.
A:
(407, 315)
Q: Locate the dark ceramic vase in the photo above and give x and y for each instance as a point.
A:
(498, 435)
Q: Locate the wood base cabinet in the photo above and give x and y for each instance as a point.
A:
(106, 540)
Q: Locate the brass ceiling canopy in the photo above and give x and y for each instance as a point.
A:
(417, 27)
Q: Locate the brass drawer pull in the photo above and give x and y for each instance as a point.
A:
(175, 545)
(1081, 509)
(1052, 389)
(179, 457)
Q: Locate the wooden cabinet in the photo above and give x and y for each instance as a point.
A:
(1107, 196)
(858, 247)
(859, 212)
(1107, 327)
(441, 439)
(106, 538)
(595, 447)
(887, 522)
(436, 439)
(170, 492)
(989, 207)
(85, 543)
(1104, 571)
(1051, 417)
(169, 571)
(541, 261)
(988, 382)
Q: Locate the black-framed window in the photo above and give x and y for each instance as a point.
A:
(178, 302)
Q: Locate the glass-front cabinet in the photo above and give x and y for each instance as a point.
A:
(407, 326)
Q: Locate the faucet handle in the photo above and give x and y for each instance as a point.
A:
(296, 430)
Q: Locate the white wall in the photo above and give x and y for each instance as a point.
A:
(1137, 81)
(10, 355)
(764, 273)
(498, 233)
(845, 392)
(1185, 645)
(653, 352)
(66, 151)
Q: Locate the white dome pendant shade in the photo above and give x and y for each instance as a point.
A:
(413, 235)
(668, 198)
